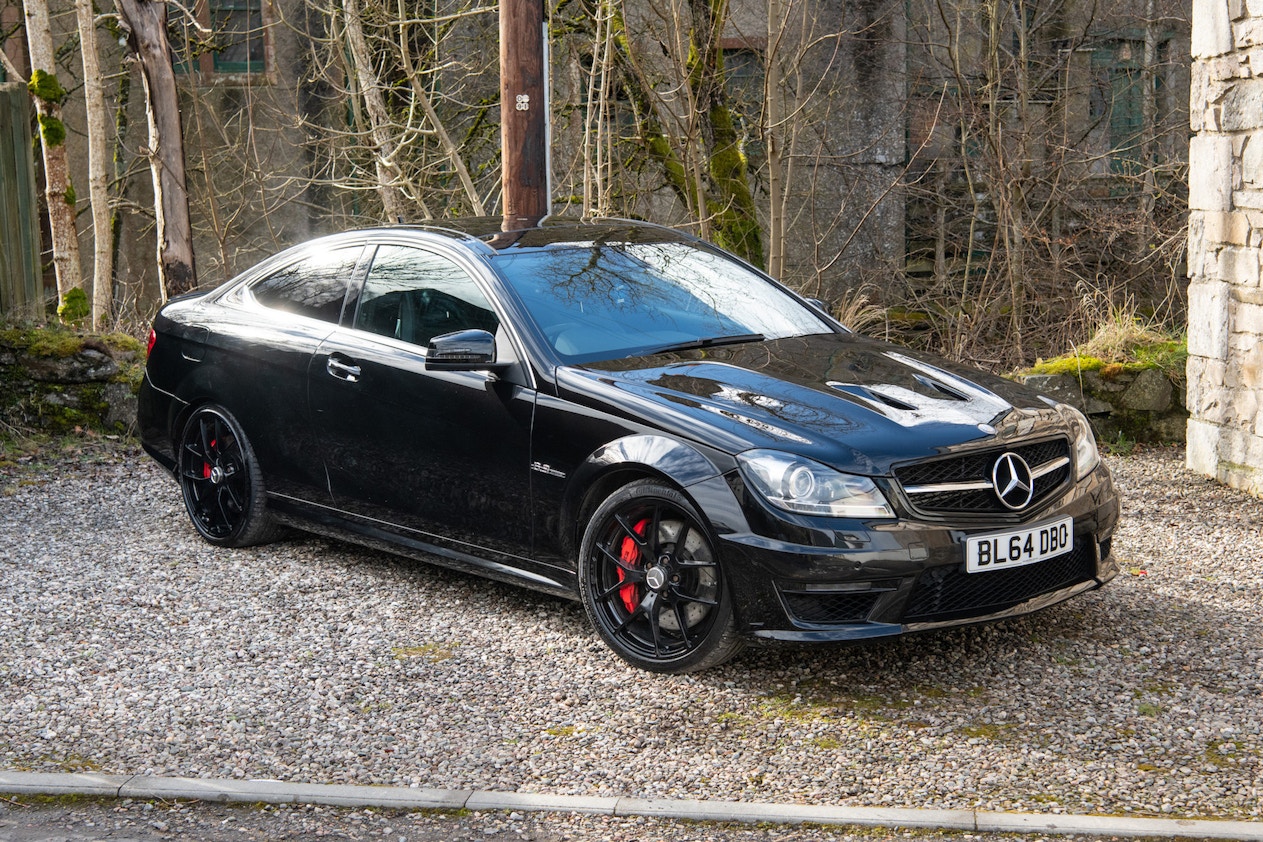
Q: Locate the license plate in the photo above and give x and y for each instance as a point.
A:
(1002, 550)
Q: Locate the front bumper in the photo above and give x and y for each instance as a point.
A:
(815, 582)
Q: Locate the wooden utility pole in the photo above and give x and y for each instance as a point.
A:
(523, 110)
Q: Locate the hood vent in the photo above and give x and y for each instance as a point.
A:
(873, 398)
(941, 389)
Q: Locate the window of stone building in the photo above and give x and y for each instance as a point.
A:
(1116, 106)
(619, 116)
(238, 26)
(743, 85)
(218, 38)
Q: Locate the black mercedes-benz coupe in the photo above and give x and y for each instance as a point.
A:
(621, 413)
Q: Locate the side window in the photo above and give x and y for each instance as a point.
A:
(414, 295)
(314, 286)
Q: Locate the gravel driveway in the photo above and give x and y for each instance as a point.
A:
(129, 646)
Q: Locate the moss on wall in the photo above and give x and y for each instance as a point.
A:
(55, 380)
(1140, 398)
(1168, 355)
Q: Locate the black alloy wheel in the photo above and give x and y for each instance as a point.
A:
(223, 488)
(652, 582)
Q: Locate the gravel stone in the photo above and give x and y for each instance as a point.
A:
(129, 646)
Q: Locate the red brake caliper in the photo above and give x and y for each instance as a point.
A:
(206, 468)
(630, 555)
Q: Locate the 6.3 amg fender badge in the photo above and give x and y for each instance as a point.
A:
(1011, 478)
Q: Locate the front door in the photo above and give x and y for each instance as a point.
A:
(441, 455)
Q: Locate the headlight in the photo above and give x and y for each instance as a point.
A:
(799, 485)
(1086, 456)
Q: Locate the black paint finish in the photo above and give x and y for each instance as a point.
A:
(499, 468)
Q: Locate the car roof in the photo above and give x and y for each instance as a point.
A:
(499, 235)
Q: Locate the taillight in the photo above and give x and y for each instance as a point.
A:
(153, 337)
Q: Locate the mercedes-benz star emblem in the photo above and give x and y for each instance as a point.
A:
(1012, 480)
(656, 578)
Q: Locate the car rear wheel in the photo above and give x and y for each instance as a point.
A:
(652, 583)
(221, 481)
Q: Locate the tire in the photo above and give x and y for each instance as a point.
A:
(222, 485)
(652, 583)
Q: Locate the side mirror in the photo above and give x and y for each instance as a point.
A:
(463, 350)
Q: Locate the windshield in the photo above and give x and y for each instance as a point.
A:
(600, 301)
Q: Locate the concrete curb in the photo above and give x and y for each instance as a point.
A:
(278, 792)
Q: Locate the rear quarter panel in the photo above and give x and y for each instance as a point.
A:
(253, 363)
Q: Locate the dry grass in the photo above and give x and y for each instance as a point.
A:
(1118, 336)
(858, 312)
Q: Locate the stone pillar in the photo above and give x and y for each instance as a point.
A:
(1225, 331)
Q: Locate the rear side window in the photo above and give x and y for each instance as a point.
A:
(314, 286)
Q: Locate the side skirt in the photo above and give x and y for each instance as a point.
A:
(333, 523)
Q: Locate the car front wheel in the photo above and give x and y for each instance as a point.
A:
(652, 583)
(221, 481)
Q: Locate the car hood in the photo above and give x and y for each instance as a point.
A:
(850, 402)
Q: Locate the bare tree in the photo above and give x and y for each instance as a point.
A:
(1040, 185)
(389, 176)
(773, 135)
(776, 131)
(99, 136)
(661, 75)
(393, 113)
(146, 24)
(49, 95)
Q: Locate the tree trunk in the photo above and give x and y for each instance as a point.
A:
(731, 211)
(597, 149)
(122, 98)
(445, 140)
(146, 21)
(1148, 131)
(703, 164)
(940, 223)
(773, 95)
(388, 174)
(49, 95)
(98, 176)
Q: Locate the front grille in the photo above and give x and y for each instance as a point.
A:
(823, 609)
(975, 469)
(949, 593)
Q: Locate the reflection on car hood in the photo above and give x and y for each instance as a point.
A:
(850, 402)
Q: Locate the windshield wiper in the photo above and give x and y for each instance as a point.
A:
(705, 342)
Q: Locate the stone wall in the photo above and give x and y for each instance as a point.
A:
(1121, 404)
(55, 381)
(1225, 367)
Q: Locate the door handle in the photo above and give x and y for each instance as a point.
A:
(347, 370)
